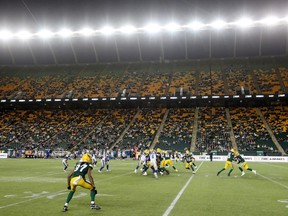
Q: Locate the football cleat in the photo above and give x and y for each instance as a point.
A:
(194, 172)
(254, 171)
(145, 173)
(243, 173)
(135, 171)
(99, 171)
(94, 206)
(65, 208)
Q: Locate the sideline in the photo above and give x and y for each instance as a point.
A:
(169, 209)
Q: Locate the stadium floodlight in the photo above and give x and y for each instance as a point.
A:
(152, 28)
(172, 27)
(270, 21)
(244, 23)
(218, 24)
(195, 26)
(65, 33)
(86, 31)
(128, 29)
(107, 30)
(24, 35)
(45, 34)
(5, 35)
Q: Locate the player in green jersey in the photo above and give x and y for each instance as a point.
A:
(77, 178)
(167, 161)
(244, 164)
(189, 161)
(228, 162)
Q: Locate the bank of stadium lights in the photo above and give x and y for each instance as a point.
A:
(5, 34)
(244, 23)
(24, 35)
(196, 26)
(45, 33)
(107, 30)
(86, 32)
(65, 33)
(128, 29)
(152, 28)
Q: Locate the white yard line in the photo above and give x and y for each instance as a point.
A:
(269, 179)
(274, 165)
(28, 200)
(59, 192)
(170, 208)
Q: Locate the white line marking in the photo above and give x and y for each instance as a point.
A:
(13, 204)
(59, 192)
(269, 179)
(169, 209)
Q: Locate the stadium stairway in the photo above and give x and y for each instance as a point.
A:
(124, 131)
(195, 129)
(232, 136)
(156, 138)
(279, 147)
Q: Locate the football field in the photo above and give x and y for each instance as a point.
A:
(38, 187)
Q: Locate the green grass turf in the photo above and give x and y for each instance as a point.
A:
(38, 187)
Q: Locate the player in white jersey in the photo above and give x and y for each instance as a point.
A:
(153, 162)
(105, 161)
(141, 161)
(94, 160)
(65, 163)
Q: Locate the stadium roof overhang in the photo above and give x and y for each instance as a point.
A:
(153, 42)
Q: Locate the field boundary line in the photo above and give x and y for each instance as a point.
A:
(170, 208)
(269, 179)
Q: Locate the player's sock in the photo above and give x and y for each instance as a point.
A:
(230, 172)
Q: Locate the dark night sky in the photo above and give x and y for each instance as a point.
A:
(37, 14)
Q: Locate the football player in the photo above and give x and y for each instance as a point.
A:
(230, 157)
(244, 164)
(77, 177)
(105, 161)
(141, 161)
(189, 160)
(168, 161)
(65, 162)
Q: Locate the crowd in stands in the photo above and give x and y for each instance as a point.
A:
(152, 79)
(177, 130)
(277, 120)
(103, 128)
(249, 130)
(213, 130)
(68, 128)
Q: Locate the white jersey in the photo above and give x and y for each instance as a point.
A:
(153, 162)
(65, 160)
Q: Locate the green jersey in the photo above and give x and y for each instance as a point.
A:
(81, 169)
(230, 156)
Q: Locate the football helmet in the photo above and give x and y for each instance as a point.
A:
(86, 158)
